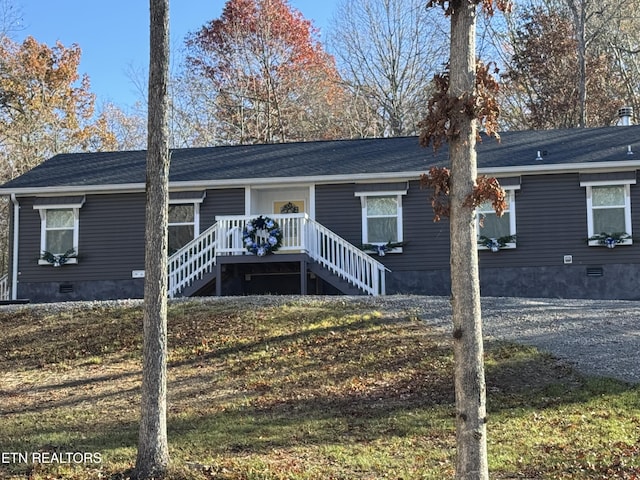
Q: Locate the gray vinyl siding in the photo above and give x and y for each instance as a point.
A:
(339, 210)
(551, 222)
(111, 236)
(221, 202)
(426, 243)
(110, 243)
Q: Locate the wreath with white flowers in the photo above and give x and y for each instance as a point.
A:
(262, 236)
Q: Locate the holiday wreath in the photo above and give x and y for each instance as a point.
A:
(58, 260)
(262, 236)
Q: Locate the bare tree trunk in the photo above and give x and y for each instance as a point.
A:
(471, 442)
(579, 11)
(153, 451)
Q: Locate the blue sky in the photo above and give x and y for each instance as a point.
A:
(113, 35)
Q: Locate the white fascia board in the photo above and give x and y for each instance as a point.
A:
(78, 189)
(614, 166)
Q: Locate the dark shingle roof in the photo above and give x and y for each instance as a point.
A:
(331, 158)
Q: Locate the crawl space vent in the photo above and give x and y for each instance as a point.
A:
(66, 288)
(594, 272)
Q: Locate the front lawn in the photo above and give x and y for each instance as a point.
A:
(300, 389)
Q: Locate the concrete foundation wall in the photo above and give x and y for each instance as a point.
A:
(44, 292)
(605, 282)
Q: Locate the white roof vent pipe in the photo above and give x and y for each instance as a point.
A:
(625, 116)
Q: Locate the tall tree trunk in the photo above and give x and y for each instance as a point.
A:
(579, 11)
(470, 396)
(153, 451)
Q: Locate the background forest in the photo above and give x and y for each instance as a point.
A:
(260, 73)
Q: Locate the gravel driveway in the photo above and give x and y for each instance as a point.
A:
(597, 337)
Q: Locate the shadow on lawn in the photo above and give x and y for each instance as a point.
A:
(266, 420)
(356, 382)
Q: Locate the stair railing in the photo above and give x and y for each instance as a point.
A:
(300, 234)
(192, 261)
(345, 259)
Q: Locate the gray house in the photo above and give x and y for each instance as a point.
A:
(344, 216)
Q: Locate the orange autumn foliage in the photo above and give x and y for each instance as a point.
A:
(46, 107)
(272, 79)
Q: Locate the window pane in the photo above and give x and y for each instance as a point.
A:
(607, 196)
(608, 220)
(179, 236)
(60, 218)
(59, 241)
(181, 213)
(382, 206)
(493, 226)
(382, 230)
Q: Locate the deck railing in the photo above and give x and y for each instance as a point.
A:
(4, 288)
(299, 234)
(292, 226)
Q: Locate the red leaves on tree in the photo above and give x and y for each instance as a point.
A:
(269, 71)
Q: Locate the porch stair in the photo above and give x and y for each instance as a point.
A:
(342, 285)
(319, 251)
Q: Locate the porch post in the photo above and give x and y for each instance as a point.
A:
(303, 277)
(218, 279)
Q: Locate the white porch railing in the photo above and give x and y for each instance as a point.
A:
(345, 260)
(292, 225)
(299, 234)
(4, 288)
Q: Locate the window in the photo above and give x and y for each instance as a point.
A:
(184, 218)
(382, 218)
(608, 211)
(59, 226)
(182, 225)
(489, 225)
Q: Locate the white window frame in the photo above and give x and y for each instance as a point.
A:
(511, 198)
(196, 214)
(365, 226)
(627, 207)
(43, 210)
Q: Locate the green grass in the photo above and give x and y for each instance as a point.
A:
(303, 390)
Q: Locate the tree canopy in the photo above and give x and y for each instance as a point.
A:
(387, 52)
(46, 107)
(272, 79)
(543, 75)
